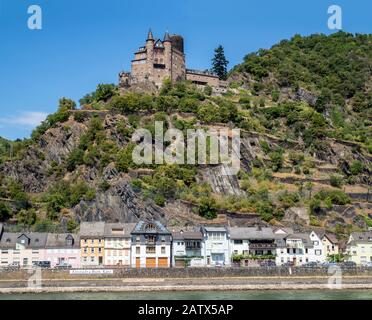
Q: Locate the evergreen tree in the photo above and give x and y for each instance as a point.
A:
(219, 63)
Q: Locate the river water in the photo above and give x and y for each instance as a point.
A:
(203, 295)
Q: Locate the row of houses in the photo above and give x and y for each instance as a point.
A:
(149, 244)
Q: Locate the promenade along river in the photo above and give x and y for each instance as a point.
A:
(203, 295)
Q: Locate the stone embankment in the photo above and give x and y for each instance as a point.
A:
(122, 280)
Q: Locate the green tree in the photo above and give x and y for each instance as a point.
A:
(104, 92)
(71, 225)
(5, 211)
(207, 208)
(219, 63)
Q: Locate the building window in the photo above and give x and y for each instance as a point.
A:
(85, 250)
(162, 250)
(318, 252)
(138, 250)
(99, 250)
(238, 241)
(150, 250)
(92, 250)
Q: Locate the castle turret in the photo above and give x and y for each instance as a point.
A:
(150, 53)
(167, 37)
(167, 42)
(150, 36)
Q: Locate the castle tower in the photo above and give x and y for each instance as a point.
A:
(167, 42)
(150, 53)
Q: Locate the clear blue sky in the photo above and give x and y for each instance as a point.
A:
(86, 42)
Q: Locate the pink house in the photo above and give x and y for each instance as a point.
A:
(63, 248)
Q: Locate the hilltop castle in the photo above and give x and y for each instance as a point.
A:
(161, 59)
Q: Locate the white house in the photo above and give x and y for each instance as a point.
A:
(217, 246)
(252, 241)
(151, 245)
(299, 248)
(188, 248)
(320, 254)
(118, 244)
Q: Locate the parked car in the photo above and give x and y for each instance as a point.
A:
(63, 265)
(367, 264)
(42, 264)
(13, 266)
(219, 264)
(349, 264)
(267, 263)
(288, 264)
(328, 264)
(311, 264)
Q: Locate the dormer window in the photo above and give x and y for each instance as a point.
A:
(8, 240)
(150, 227)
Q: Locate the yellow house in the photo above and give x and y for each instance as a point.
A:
(330, 243)
(359, 247)
(92, 243)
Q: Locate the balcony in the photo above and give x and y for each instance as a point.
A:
(262, 246)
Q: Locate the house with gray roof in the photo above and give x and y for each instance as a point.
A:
(330, 243)
(63, 249)
(118, 244)
(151, 245)
(92, 243)
(299, 248)
(217, 246)
(188, 248)
(359, 247)
(23, 249)
(253, 241)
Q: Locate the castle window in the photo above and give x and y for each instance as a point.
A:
(159, 66)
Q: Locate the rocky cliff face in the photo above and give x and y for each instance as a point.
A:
(52, 148)
(122, 202)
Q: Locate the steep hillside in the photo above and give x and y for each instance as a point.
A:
(330, 73)
(301, 165)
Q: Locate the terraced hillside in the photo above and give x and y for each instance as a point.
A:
(305, 159)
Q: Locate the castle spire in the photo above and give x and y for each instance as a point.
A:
(149, 35)
(167, 37)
